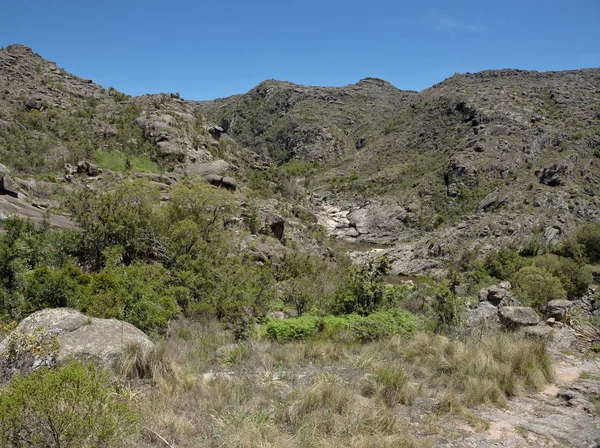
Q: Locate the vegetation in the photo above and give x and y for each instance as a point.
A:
(71, 406)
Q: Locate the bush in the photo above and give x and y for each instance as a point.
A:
(536, 287)
(575, 278)
(354, 327)
(72, 406)
(503, 263)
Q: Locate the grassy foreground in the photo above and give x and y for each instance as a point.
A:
(208, 392)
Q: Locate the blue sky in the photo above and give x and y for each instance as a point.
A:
(205, 50)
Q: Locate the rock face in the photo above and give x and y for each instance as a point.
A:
(518, 316)
(84, 338)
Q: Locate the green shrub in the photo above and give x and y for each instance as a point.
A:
(536, 287)
(503, 263)
(140, 294)
(383, 324)
(575, 278)
(353, 327)
(364, 292)
(72, 406)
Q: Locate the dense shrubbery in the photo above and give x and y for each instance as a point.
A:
(557, 274)
(72, 406)
(351, 327)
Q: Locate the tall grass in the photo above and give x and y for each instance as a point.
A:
(486, 370)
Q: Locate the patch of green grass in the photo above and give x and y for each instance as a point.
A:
(351, 327)
(117, 161)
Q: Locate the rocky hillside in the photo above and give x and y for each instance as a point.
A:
(49, 118)
(477, 161)
(474, 162)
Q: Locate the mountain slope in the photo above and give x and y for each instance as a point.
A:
(477, 160)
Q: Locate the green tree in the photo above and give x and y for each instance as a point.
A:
(365, 290)
(121, 217)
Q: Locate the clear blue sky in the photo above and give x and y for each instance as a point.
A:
(206, 50)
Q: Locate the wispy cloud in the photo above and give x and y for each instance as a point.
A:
(448, 24)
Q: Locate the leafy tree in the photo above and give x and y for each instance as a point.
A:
(575, 278)
(122, 217)
(142, 294)
(365, 291)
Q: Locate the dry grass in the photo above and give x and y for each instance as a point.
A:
(486, 370)
(322, 394)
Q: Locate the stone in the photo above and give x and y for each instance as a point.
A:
(34, 103)
(88, 168)
(505, 284)
(274, 224)
(86, 338)
(518, 316)
(216, 131)
(214, 179)
(8, 186)
(497, 296)
(229, 183)
(484, 317)
(558, 309)
(537, 331)
(206, 168)
(554, 175)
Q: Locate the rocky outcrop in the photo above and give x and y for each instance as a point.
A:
(461, 173)
(554, 175)
(205, 168)
(497, 296)
(273, 224)
(79, 337)
(88, 168)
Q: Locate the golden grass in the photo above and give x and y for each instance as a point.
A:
(324, 394)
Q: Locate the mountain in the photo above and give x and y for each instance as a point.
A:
(472, 163)
(476, 161)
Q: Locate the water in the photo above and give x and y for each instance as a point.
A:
(361, 246)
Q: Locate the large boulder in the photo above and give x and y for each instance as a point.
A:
(273, 224)
(484, 317)
(558, 309)
(34, 102)
(79, 337)
(206, 168)
(514, 317)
